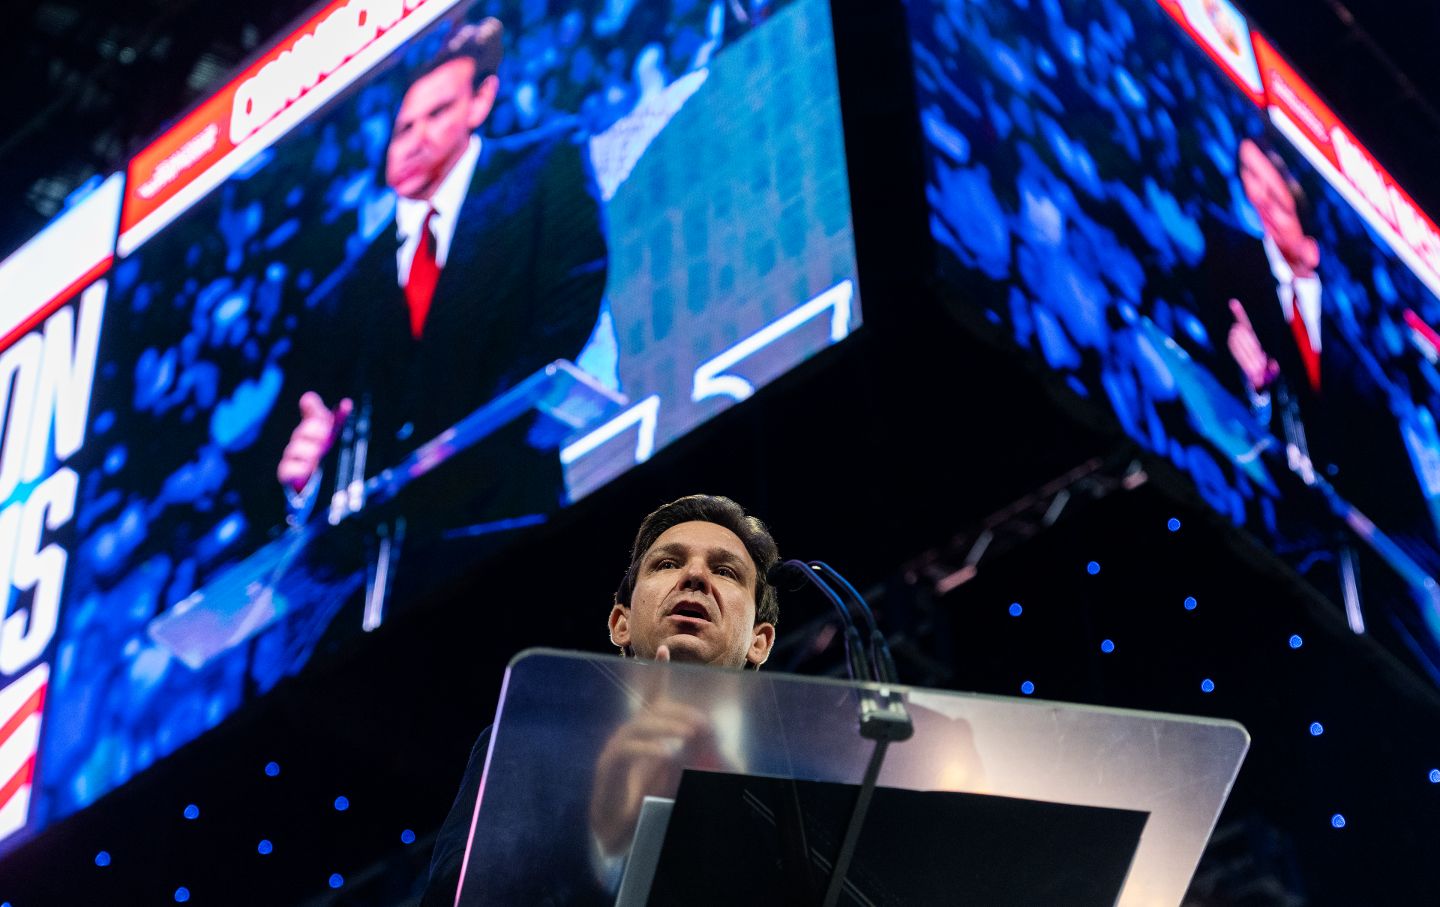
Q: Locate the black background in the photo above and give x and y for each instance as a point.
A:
(883, 456)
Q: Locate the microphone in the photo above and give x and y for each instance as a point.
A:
(792, 575)
(880, 657)
(787, 575)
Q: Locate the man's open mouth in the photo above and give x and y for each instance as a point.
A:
(689, 609)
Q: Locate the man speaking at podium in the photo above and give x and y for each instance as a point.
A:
(495, 266)
(696, 591)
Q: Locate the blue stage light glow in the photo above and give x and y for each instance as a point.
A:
(1435, 776)
(336, 880)
(272, 769)
(1190, 603)
(1027, 688)
(407, 837)
(1295, 641)
(1107, 646)
(192, 811)
(1316, 729)
(265, 846)
(1337, 820)
(102, 858)
(342, 803)
(1173, 525)
(1015, 609)
(1207, 685)
(1092, 568)
(182, 894)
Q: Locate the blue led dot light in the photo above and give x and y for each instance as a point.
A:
(1092, 568)
(342, 803)
(102, 858)
(182, 894)
(1107, 646)
(1173, 525)
(272, 769)
(1295, 641)
(1190, 603)
(407, 837)
(1337, 820)
(265, 846)
(1207, 685)
(1316, 729)
(1016, 610)
(336, 880)
(192, 811)
(1027, 688)
(1435, 776)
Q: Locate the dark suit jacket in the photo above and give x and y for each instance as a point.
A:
(1351, 433)
(449, 850)
(521, 287)
(558, 873)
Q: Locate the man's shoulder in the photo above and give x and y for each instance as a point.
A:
(545, 139)
(555, 147)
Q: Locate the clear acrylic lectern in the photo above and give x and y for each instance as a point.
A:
(995, 799)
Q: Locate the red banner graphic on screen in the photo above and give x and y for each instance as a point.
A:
(1361, 178)
(1223, 33)
(22, 705)
(294, 68)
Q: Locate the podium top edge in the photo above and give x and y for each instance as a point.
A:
(602, 659)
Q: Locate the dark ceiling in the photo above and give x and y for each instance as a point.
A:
(83, 84)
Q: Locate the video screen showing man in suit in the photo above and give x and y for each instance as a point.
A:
(1137, 226)
(1307, 382)
(603, 191)
(494, 265)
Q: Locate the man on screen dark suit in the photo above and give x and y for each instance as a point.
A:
(1284, 352)
(494, 267)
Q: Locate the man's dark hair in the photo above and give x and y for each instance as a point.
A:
(709, 508)
(478, 41)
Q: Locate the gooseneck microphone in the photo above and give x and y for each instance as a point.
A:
(880, 657)
(883, 717)
(792, 575)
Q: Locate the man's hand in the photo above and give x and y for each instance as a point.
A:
(644, 757)
(1245, 346)
(311, 440)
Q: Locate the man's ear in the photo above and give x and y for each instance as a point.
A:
(762, 638)
(483, 102)
(620, 626)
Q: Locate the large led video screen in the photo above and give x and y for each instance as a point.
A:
(421, 276)
(1150, 202)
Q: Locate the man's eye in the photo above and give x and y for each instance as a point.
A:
(726, 572)
(665, 564)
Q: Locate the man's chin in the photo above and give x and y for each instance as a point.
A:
(415, 188)
(688, 649)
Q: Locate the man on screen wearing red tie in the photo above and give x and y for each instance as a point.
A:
(1285, 350)
(494, 265)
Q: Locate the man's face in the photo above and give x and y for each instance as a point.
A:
(433, 126)
(1271, 195)
(695, 593)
